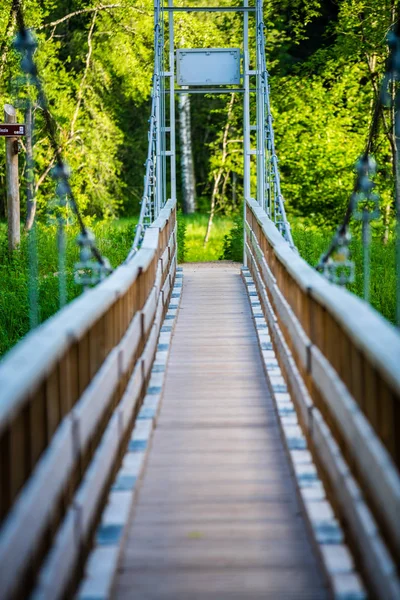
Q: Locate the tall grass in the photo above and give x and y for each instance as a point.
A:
(196, 226)
(113, 240)
(311, 244)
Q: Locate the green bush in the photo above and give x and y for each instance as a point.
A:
(233, 241)
(312, 242)
(181, 237)
(195, 231)
(113, 240)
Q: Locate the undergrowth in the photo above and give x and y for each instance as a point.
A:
(196, 225)
(113, 240)
(311, 243)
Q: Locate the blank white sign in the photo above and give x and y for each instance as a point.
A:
(208, 66)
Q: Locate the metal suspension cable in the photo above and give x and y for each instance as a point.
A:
(154, 174)
(342, 270)
(26, 44)
(365, 167)
(140, 228)
(273, 185)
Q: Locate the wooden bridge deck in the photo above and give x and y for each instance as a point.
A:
(217, 514)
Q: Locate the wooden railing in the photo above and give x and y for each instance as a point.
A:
(69, 394)
(341, 360)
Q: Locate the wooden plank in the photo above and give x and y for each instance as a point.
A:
(150, 349)
(61, 561)
(194, 490)
(374, 464)
(34, 508)
(91, 490)
(149, 310)
(53, 407)
(19, 453)
(222, 583)
(130, 342)
(37, 433)
(130, 397)
(378, 566)
(94, 402)
(367, 329)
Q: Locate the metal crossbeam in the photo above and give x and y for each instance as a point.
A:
(243, 9)
(221, 90)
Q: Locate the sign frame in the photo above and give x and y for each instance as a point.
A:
(208, 66)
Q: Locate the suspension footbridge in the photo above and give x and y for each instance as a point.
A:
(210, 431)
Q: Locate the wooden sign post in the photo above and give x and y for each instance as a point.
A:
(11, 130)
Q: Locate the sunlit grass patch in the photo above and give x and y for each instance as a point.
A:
(196, 226)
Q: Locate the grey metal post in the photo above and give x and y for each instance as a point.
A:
(260, 111)
(246, 123)
(172, 102)
(163, 112)
(157, 84)
(12, 182)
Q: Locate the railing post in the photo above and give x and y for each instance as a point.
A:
(12, 181)
(172, 102)
(246, 122)
(260, 111)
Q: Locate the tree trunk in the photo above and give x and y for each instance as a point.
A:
(234, 190)
(218, 175)
(187, 167)
(29, 173)
(12, 181)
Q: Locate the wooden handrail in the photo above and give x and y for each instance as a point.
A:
(62, 390)
(341, 360)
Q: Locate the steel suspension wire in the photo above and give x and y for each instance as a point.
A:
(154, 192)
(88, 272)
(342, 271)
(364, 203)
(271, 194)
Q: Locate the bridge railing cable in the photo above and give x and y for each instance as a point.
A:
(154, 192)
(88, 271)
(336, 263)
(274, 204)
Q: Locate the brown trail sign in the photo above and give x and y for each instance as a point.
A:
(11, 130)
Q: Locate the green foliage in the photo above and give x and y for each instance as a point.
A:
(322, 108)
(181, 237)
(113, 240)
(233, 241)
(92, 93)
(312, 242)
(325, 60)
(319, 139)
(196, 225)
